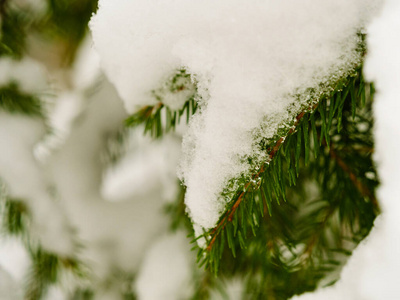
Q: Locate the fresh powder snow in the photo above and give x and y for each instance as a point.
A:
(248, 59)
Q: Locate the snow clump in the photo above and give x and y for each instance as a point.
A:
(248, 59)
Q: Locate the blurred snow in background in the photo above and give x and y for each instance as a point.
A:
(116, 210)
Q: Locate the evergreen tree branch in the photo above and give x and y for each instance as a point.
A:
(229, 215)
(313, 129)
(255, 207)
(46, 266)
(362, 188)
(318, 231)
(159, 118)
(13, 100)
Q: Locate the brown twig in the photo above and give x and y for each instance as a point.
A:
(314, 238)
(272, 152)
(357, 183)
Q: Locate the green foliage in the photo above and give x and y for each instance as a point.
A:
(286, 230)
(13, 100)
(279, 231)
(67, 20)
(304, 210)
(14, 217)
(46, 267)
(83, 294)
(13, 26)
(159, 119)
(70, 17)
(45, 271)
(63, 25)
(177, 212)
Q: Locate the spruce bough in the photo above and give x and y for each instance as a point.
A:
(288, 227)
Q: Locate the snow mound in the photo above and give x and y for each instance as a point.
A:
(248, 59)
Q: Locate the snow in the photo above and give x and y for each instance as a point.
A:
(67, 187)
(67, 107)
(25, 180)
(167, 270)
(67, 104)
(14, 258)
(177, 89)
(86, 69)
(372, 271)
(115, 235)
(248, 58)
(27, 73)
(14, 264)
(233, 289)
(145, 158)
(247, 70)
(55, 293)
(8, 289)
(115, 209)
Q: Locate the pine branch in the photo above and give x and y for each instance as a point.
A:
(253, 204)
(46, 267)
(83, 294)
(257, 211)
(13, 31)
(13, 100)
(221, 224)
(159, 118)
(152, 118)
(317, 233)
(272, 153)
(256, 208)
(362, 188)
(45, 271)
(14, 216)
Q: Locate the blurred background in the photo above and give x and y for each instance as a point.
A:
(83, 197)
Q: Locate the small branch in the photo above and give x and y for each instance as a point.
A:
(272, 152)
(150, 109)
(317, 233)
(357, 183)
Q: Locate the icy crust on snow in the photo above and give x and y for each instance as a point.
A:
(249, 59)
(257, 86)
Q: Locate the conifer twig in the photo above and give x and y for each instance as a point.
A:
(357, 183)
(272, 152)
(314, 238)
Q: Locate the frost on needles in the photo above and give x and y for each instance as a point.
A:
(256, 64)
